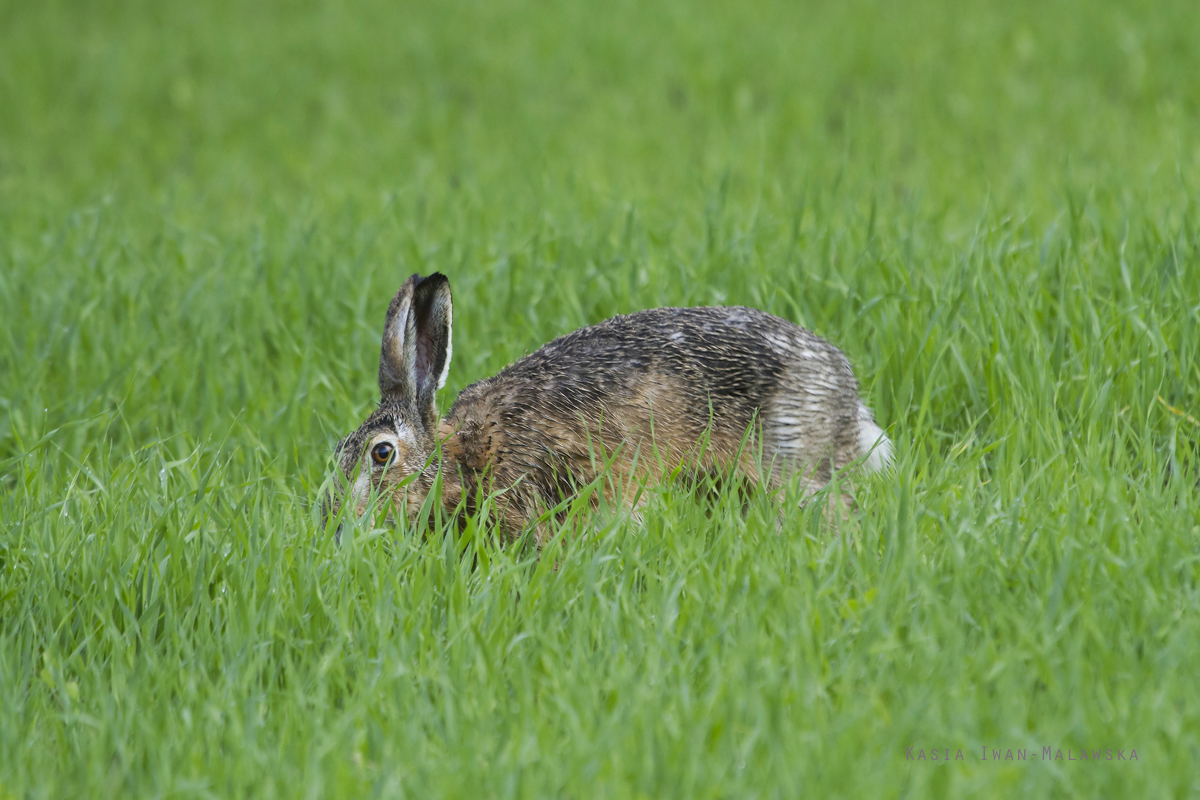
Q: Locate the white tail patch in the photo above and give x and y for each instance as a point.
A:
(873, 441)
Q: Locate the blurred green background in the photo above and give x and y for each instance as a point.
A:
(205, 208)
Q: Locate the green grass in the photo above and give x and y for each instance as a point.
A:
(205, 208)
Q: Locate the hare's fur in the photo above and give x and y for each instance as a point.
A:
(705, 390)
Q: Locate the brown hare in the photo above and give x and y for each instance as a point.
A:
(703, 390)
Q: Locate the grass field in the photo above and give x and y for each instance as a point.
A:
(992, 207)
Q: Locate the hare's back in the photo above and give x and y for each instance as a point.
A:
(724, 364)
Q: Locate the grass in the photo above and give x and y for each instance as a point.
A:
(205, 207)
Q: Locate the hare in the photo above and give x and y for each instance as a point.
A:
(705, 390)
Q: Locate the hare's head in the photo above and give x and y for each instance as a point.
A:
(391, 453)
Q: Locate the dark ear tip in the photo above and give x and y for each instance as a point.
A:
(429, 286)
(433, 280)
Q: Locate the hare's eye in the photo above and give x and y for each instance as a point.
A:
(381, 452)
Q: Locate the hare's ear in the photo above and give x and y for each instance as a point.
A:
(416, 351)
(433, 310)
